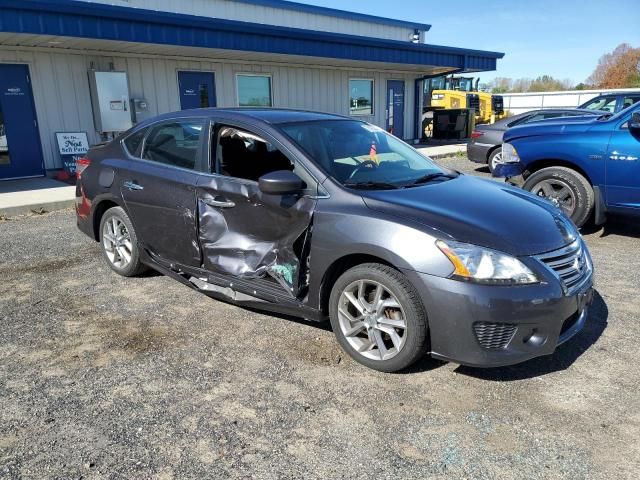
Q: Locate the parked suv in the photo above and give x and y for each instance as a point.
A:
(588, 166)
(319, 216)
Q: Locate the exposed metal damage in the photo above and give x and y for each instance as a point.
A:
(251, 243)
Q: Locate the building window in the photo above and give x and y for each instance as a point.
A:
(361, 97)
(254, 90)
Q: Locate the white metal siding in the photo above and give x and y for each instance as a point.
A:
(61, 88)
(517, 103)
(245, 12)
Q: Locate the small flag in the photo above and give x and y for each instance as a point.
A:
(373, 153)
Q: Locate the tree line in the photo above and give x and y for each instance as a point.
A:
(617, 69)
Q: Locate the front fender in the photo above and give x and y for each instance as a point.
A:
(585, 152)
(393, 240)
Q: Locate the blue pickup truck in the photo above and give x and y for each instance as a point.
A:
(588, 166)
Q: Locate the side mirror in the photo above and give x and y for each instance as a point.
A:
(634, 124)
(281, 182)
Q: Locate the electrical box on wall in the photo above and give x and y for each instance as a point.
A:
(139, 109)
(110, 101)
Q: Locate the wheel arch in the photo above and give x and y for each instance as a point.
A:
(554, 162)
(98, 212)
(338, 267)
(491, 150)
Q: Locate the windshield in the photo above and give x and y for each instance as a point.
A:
(607, 104)
(359, 154)
(463, 84)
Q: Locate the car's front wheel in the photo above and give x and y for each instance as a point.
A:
(494, 159)
(378, 317)
(120, 243)
(567, 189)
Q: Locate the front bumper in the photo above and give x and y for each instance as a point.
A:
(492, 326)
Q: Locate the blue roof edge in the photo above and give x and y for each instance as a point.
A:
(102, 21)
(112, 11)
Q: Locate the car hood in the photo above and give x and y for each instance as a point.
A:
(481, 212)
(552, 127)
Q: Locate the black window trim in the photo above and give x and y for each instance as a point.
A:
(199, 167)
(131, 134)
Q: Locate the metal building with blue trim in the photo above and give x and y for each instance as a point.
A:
(222, 53)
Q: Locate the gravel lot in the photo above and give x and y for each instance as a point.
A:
(107, 377)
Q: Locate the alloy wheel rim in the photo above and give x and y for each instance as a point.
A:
(496, 160)
(557, 192)
(372, 320)
(117, 242)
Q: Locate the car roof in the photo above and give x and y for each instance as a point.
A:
(507, 120)
(266, 115)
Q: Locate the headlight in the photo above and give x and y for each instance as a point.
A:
(437, 96)
(509, 154)
(482, 265)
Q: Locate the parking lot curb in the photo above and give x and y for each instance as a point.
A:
(40, 207)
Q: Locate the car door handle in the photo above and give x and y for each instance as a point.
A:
(219, 202)
(132, 186)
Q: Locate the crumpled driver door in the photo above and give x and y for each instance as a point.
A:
(244, 232)
(251, 235)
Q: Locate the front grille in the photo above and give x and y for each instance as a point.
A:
(570, 264)
(473, 101)
(494, 336)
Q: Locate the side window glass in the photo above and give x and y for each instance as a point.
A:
(535, 118)
(607, 104)
(520, 121)
(175, 143)
(134, 141)
(242, 154)
(630, 100)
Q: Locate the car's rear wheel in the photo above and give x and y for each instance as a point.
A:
(120, 243)
(567, 189)
(494, 159)
(378, 317)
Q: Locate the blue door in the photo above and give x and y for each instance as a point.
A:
(623, 166)
(197, 90)
(20, 149)
(395, 107)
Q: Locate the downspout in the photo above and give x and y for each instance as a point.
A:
(416, 99)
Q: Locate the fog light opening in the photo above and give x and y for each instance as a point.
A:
(534, 338)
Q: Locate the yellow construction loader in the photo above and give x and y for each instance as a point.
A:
(460, 92)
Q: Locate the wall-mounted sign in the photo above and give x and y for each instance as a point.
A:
(72, 145)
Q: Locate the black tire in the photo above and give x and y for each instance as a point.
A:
(134, 266)
(416, 331)
(492, 158)
(580, 187)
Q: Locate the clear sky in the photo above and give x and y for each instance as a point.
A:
(562, 38)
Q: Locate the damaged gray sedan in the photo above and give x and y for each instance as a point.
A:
(321, 216)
